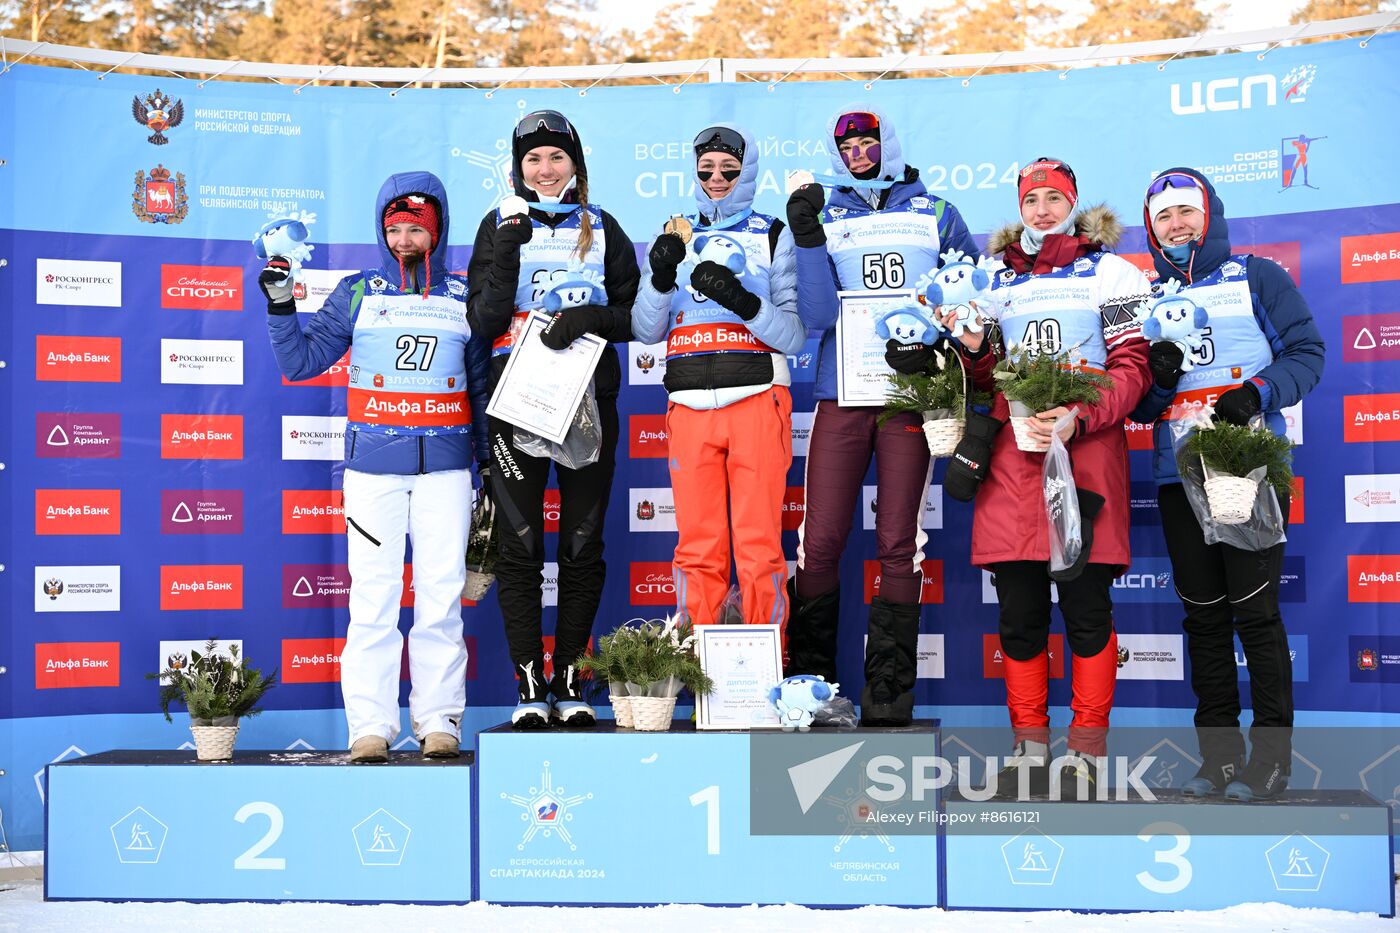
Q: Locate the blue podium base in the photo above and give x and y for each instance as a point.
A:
(267, 826)
(611, 816)
(1306, 849)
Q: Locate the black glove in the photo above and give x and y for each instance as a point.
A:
(1090, 504)
(666, 253)
(279, 296)
(567, 326)
(722, 287)
(511, 234)
(1239, 404)
(972, 458)
(484, 472)
(913, 359)
(804, 211)
(1165, 359)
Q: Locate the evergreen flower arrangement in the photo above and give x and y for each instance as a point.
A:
(1042, 381)
(1239, 450)
(214, 687)
(645, 665)
(646, 654)
(1036, 382)
(218, 690)
(943, 390)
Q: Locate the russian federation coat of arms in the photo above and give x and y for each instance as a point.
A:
(157, 113)
(157, 199)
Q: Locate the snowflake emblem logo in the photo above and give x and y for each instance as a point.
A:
(853, 815)
(546, 811)
(495, 161)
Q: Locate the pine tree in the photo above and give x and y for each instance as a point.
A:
(997, 26)
(1137, 21)
(1318, 10)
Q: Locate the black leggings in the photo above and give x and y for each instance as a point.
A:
(517, 487)
(1226, 591)
(1023, 593)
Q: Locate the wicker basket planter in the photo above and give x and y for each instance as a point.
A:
(478, 585)
(622, 705)
(652, 714)
(942, 431)
(1231, 498)
(214, 743)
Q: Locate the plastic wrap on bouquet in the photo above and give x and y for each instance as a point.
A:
(1061, 499)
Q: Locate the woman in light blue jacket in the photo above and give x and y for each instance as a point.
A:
(722, 292)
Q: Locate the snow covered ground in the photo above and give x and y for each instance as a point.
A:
(22, 909)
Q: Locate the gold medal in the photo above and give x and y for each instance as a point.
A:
(680, 227)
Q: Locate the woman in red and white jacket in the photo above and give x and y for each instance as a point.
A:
(1061, 290)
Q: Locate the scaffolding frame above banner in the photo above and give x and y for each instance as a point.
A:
(772, 71)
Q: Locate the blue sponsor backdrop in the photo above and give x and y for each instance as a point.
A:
(90, 189)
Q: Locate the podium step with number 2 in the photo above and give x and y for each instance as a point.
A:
(268, 826)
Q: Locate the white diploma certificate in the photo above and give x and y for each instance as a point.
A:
(862, 375)
(541, 389)
(745, 662)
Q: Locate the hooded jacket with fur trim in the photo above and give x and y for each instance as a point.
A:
(1091, 304)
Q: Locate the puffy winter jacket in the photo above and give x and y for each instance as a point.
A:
(1094, 303)
(713, 357)
(418, 374)
(872, 248)
(493, 305)
(1261, 331)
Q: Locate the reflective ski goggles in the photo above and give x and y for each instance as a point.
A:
(1172, 181)
(858, 123)
(551, 120)
(719, 139)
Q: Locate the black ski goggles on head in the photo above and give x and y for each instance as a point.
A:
(719, 139)
(550, 120)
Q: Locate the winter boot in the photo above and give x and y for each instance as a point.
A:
(569, 705)
(1078, 779)
(891, 664)
(1031, 758)
(1090, 504)
(441, 745)
(1215, 775)
(811, 632)
(369, 749)
(532, 712)
(1260, 780)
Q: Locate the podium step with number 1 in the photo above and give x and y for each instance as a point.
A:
(612, 816)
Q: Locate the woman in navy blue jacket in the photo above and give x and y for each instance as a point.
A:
(1263, 353)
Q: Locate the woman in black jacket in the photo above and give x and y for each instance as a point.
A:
(513, 261)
